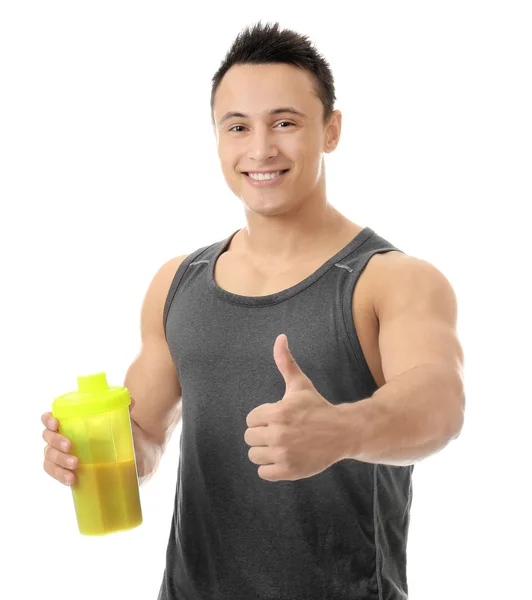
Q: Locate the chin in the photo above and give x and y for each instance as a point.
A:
(267, 206)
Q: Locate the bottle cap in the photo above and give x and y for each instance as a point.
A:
(92, 397)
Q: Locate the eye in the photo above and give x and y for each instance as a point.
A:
(233, 129)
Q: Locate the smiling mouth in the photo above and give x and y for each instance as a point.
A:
(281, 171)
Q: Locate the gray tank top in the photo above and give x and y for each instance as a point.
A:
(338, 535)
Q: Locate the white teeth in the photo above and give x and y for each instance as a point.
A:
(264, 176)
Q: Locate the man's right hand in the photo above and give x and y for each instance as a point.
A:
(58, 463)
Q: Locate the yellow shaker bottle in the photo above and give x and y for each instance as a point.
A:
(96, 419)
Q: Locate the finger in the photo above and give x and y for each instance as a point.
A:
(49, 421)
(67, 461)
(56, 440)
(132, 403)
(64, 476)
(260, 455)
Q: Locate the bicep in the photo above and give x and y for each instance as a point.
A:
(152, 380)
(152, 377)
(417, 313)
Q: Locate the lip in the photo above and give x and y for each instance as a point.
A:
(265, 182)
(265, 171)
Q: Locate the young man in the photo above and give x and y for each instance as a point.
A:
(294, 479)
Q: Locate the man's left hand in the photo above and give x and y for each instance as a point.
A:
(300, 435)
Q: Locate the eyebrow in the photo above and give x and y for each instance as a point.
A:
(275, 111)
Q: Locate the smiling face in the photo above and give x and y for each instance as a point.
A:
(268, 119)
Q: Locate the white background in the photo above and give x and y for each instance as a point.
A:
(108, 168)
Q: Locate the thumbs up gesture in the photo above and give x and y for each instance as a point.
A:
(299, 436)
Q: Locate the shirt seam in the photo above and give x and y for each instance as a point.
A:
(377, 569)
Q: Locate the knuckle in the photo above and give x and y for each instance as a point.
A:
(50, 454)
(59, 474)
(52, 469)
(277, 436)
(55, 471)
(54, 456)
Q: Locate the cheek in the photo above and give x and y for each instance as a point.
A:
(223, 147)
(228, 162)
(302, 149)
(292, 146)
(230, 157)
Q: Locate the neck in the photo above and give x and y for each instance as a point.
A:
(289, 236)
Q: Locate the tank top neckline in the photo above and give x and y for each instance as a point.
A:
(281, 295)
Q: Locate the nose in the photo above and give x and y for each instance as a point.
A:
(261, 146)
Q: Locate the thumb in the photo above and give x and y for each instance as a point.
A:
(292, 374)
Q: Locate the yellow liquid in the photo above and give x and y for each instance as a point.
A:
(106, 497)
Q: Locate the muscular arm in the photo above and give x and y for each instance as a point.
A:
(152, 379)
(420, 409)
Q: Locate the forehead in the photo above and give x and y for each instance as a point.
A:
(255, 89)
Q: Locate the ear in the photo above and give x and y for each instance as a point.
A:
(332, 131)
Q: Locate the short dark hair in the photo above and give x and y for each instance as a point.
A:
(265, 44)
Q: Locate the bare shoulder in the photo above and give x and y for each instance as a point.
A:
(398, 278)
(155, 298)
(167, 271)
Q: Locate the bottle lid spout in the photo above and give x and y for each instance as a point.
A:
(93, 384)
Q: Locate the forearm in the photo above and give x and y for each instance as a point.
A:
(409, 418)
(147, 453)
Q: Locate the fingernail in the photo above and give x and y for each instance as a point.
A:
(51, 424)
(64, 445)
(71, 461)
